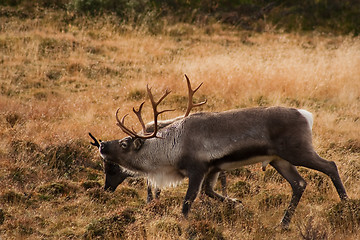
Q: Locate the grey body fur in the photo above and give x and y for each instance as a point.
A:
(115, 175)
(203, 144)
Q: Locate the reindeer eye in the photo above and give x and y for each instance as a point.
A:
(124, 144)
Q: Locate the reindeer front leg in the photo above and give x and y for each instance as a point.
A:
(196, 179)
(150, 194)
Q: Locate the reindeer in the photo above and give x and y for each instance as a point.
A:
(201, 145)
(115, 175)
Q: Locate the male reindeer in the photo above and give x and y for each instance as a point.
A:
(203, 144)
(115, 175)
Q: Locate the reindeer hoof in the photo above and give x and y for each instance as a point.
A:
(233, 201)
(284, 226)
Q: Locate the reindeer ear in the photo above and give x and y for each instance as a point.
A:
(138, 142)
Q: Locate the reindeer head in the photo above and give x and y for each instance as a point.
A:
(114, 176)
(127, 147)
(117, 151)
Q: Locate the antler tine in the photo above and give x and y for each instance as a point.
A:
(191, 94)
(167, 92)
(96, 142)
(154, 105)
(138, 114)
(122, 125)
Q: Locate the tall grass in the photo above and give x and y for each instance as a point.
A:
(59, 81)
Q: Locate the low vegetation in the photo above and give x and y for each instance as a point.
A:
(63, 74)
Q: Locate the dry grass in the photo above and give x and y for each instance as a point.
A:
(60, 81)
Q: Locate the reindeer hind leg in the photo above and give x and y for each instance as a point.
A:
(222, 177)
(208, 186)
(209, 183)
(298, 185)
(329, 168)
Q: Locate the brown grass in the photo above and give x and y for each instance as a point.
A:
(60, 81)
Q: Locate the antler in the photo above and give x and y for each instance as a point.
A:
(191, 104)
(138, 114)
(121, 124)
(96, 142)
(154, 104)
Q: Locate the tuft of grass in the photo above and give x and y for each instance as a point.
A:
(240, 189)
(311, 230)
(98, 195)
(203, 230)
(345, 215)
(321, 181)
(90, 184)
(49, 47)
(271, 175)
(273, 201)
(22, 150)
(226, 213)
(12, 118)
(128, 192)
(110, 227)
(137, 95)
(169, 228)
(40, 95)
(67, 156)
(12, 197)
(67, 159)
(18, 174)
(160, 208)
(57, 189)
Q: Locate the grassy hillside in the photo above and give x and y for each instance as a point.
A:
(330, 16)
(62, 76)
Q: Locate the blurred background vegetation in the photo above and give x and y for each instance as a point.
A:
(328, 16)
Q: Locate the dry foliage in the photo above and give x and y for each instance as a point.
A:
(60, 81)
